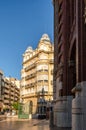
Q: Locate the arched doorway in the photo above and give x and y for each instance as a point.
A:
(41, 108)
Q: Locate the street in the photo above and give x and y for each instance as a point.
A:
(12, 123)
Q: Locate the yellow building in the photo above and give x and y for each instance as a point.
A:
(37, 73)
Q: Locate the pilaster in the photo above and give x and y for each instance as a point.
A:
(79, 107)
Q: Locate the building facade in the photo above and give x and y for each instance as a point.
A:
(10, 92)
(70, 64)
(1, 90)
(37, 73)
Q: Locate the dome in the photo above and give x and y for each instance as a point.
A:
(44, 42)
(45, 37)
(29, 49)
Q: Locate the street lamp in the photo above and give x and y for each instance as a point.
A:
(85, 11)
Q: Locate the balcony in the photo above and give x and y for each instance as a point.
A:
(30, 85)
(27, 86)
(17, 91)
(12, 98)
(12, 89)
(6, 86)
(40, 93)
(12, 93)
(42, 71)
(30, 76)
(6, 96)
(16, 95)
(12, 102)
(6, 101)
(6, 91)
(43, 82)
(30, 67)
(27, 77)
(28, 95)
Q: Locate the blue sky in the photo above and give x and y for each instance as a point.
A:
(22, 23)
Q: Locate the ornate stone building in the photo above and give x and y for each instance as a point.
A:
(69, 63)
(37, 73)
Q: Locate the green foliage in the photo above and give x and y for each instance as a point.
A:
(15, 105)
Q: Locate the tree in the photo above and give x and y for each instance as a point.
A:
(15, 106)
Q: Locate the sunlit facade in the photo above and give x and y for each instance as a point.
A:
(37, 73)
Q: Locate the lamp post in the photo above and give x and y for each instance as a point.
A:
(85, 11)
